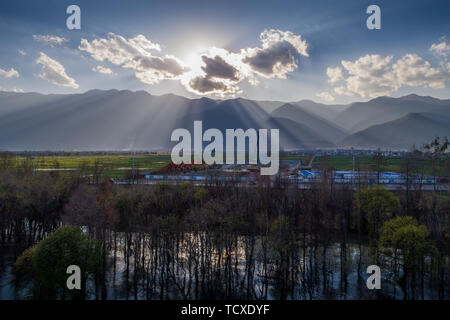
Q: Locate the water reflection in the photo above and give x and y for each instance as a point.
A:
(211, 266)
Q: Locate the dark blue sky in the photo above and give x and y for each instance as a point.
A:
(333, 30)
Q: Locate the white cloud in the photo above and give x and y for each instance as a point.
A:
(440, 49)
(134, 53)
(375, 75)
(54, 72)
(370, 76)
(334, 74)
(326, 96)
(49, 39)
(102, 69)
(117, 49)
(412, 70)
(22, 53)
(274, 36)
(9, 74)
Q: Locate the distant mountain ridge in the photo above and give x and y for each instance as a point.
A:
(396, 134)
(361, 115)
(325, 128)
(126, 120)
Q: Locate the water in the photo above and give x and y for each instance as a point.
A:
(225, 266)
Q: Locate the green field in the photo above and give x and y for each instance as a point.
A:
(365, 163)
(117, 165)
(346, 162)
(150, 162)
(114, 165)
(362, 163)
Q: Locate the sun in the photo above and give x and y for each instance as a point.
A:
(193, 59)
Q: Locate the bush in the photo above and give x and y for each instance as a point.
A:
(46, 263)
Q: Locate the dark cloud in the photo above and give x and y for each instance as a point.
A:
(165, 65)
(219, 77)
(206, 85)
(217, 67)
(275, 60)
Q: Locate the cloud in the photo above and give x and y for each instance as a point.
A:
(334, 74)
(326, 96)
(152, 69)
(17, 90)
(9, 74)
(412, 70)
(134, 53)
(117, 49)
(221, 71)
(375, 75)
(49, 39)
(203, 85)
(370, 76)
(273, 36)
(217, 67)
(54, 72)
(278, 54)
(102, 69)
(215, 71)
(22, 53)
(217, 76)
(440, 49)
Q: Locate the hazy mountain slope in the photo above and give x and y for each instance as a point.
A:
(362, 115)
(118, 120)
(245, 114)
(96, 119)
(411, 129)
(269, 106)
(321, 126)
(123, 120)
(328, 112)
(294, 135)
(426, 99)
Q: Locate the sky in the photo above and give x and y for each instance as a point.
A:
(264, 50)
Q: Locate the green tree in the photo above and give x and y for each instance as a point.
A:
(377, 205)
(46, 263)
(407, 243)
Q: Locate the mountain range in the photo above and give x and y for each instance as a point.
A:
(137, 120)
